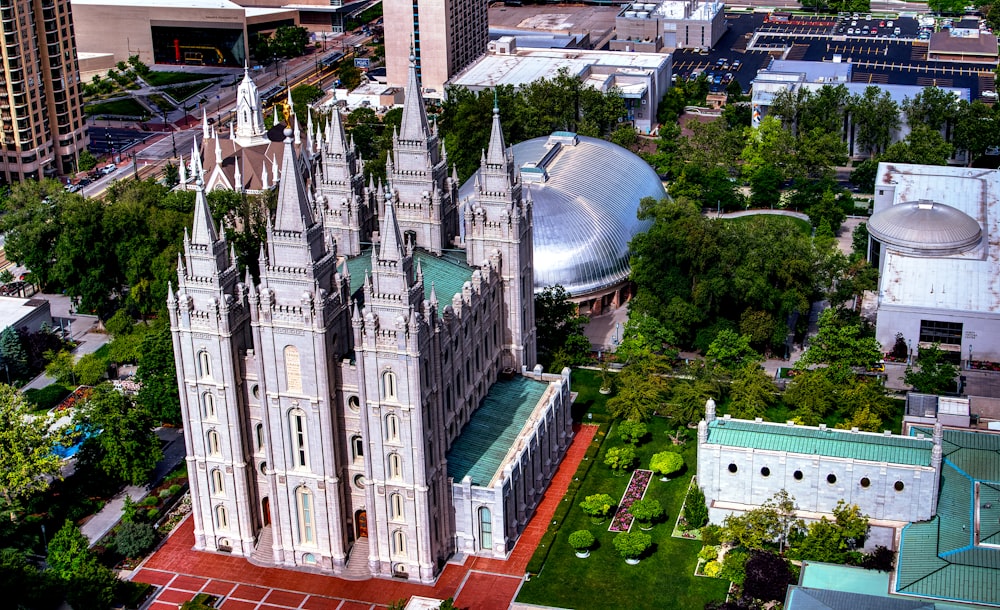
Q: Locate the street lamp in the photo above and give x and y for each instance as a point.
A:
(970, 355)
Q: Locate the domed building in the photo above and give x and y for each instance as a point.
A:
(931, 240)
(585, 193)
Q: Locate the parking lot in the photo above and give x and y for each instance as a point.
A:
(879, 57)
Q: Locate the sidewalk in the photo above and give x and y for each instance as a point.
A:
(173, 454)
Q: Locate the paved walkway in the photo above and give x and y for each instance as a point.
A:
(482, 584)
(102, 521)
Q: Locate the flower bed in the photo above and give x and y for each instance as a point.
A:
(984, 365)
(635, 491)
(81, 394)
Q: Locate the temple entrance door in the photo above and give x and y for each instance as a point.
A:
(265, 507)
(361, 520)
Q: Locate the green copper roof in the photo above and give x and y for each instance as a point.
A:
(447, 273)
(939, 558)
(493, 429)
(813, 441)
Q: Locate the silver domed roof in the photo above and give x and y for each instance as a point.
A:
(925, 228)
(586, 196)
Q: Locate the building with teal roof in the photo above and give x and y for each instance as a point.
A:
(955, 556)
(741, 464)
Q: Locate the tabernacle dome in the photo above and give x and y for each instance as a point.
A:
(586, 193)
(925, 228)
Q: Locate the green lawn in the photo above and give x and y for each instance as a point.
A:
(664, 578)
(803, 225)
(183, 92)
(125, 107)
(159, 79)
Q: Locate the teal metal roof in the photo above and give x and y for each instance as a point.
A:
(813, 441)
(493, 429)
(939, 558)
(447, 273)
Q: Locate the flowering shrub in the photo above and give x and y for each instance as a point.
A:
(81, 394)
(712, 568)
(635, 491)
(708, 552)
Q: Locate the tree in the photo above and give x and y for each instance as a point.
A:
(936, 375)
(666, 463)
(632, 545)
(68, 551)
(290, 41)
(158, 396)
(812, 394)
(12, 355)
(840, 342)
(642, 337)
(60, 367)
(765, 186)
(688, 398)
(977, 126)
(620, 459)
(350, 75)
(581, 540)
(923, 145)
(881, 559)
(695, 510)
(598, 506)
(87, 161)
(91, 587)
(752, 391)
(26, 448)
(121, 443)
(641, 390)
(32, 225)
(133, 539)
(646, 511)
(766, 524)
(875, 116)
(731, 351)
(90, 369)
(932, 108)
(558, 325)
(631, 431)
(767, 577)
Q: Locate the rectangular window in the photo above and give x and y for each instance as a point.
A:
(945, 333)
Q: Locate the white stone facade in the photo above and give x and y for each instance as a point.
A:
(320, 410)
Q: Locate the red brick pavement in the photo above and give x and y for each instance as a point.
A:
(483, 584)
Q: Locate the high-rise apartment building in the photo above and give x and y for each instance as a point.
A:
(446, 36)
(41, 116)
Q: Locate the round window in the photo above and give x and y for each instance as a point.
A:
(255, 390)
(765, 471)
(359, 481)
(263, 468)
(798, 475)
(733, 468)
(831, 478)
(898, 486)
(865, 482)
(354, 404)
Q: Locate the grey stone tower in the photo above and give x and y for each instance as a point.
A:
(210, 328)
(424, 195)
(498, 232)
(348, 206)
(299, 317)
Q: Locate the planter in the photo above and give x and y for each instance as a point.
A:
(664, 479)
(605, 391)
(646, 528)
(583, 554)
(632, 562)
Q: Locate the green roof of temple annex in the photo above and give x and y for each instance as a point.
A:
(447, 272)
(941, 558)
(829, 442)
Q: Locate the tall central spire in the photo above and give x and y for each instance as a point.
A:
(497, 152)
(414, 125)
(294, 212)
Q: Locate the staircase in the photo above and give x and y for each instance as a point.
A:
(357, 562)
(262, 555)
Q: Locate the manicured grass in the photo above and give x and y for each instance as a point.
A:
(183, 92)
(804, 227)
(47, 397)
(127, 107)
(664, 578)
(159, 79)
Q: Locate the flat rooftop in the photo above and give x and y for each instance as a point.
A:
(13, 310)
(959, 282)
(528, 65)
(447, 273)
(955, 556)
(201, 4)
(494, 428)
(829, 442)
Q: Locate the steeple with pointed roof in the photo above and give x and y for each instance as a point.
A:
(348, 207)
(250, 130)
(418, 171)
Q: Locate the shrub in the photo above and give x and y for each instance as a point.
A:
(631, 545)
(631, 431)
(149, 501)
(581, 540)
(646, 511)
(708, 553)
(695, 511)
(598, 506)
(712, 568)
(666, 463)
(134, 539)
(620, 459)
(164, 494)
(880, 559)
(711, 534)
(734, 566)
(47, 397)
(152, 514)
(175, 489)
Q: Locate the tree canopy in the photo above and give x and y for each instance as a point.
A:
(27, 446)
(120, 441)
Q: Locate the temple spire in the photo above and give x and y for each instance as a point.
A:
(392, 241)
(497, 152)
(204, 123)
(294, 212)
(203, 232)
(414, 123)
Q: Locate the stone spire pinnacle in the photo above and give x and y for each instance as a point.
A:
(414, 123)
(497, 152)
(204, 123)
(203, 232)
(392, 241)
(274, 169)
(294, 212)
(336, 139)
(237, 174)
(218, 152)
(182, 171)
(263, 177)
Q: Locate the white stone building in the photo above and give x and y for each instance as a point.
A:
(368, 410)
(741, 464)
